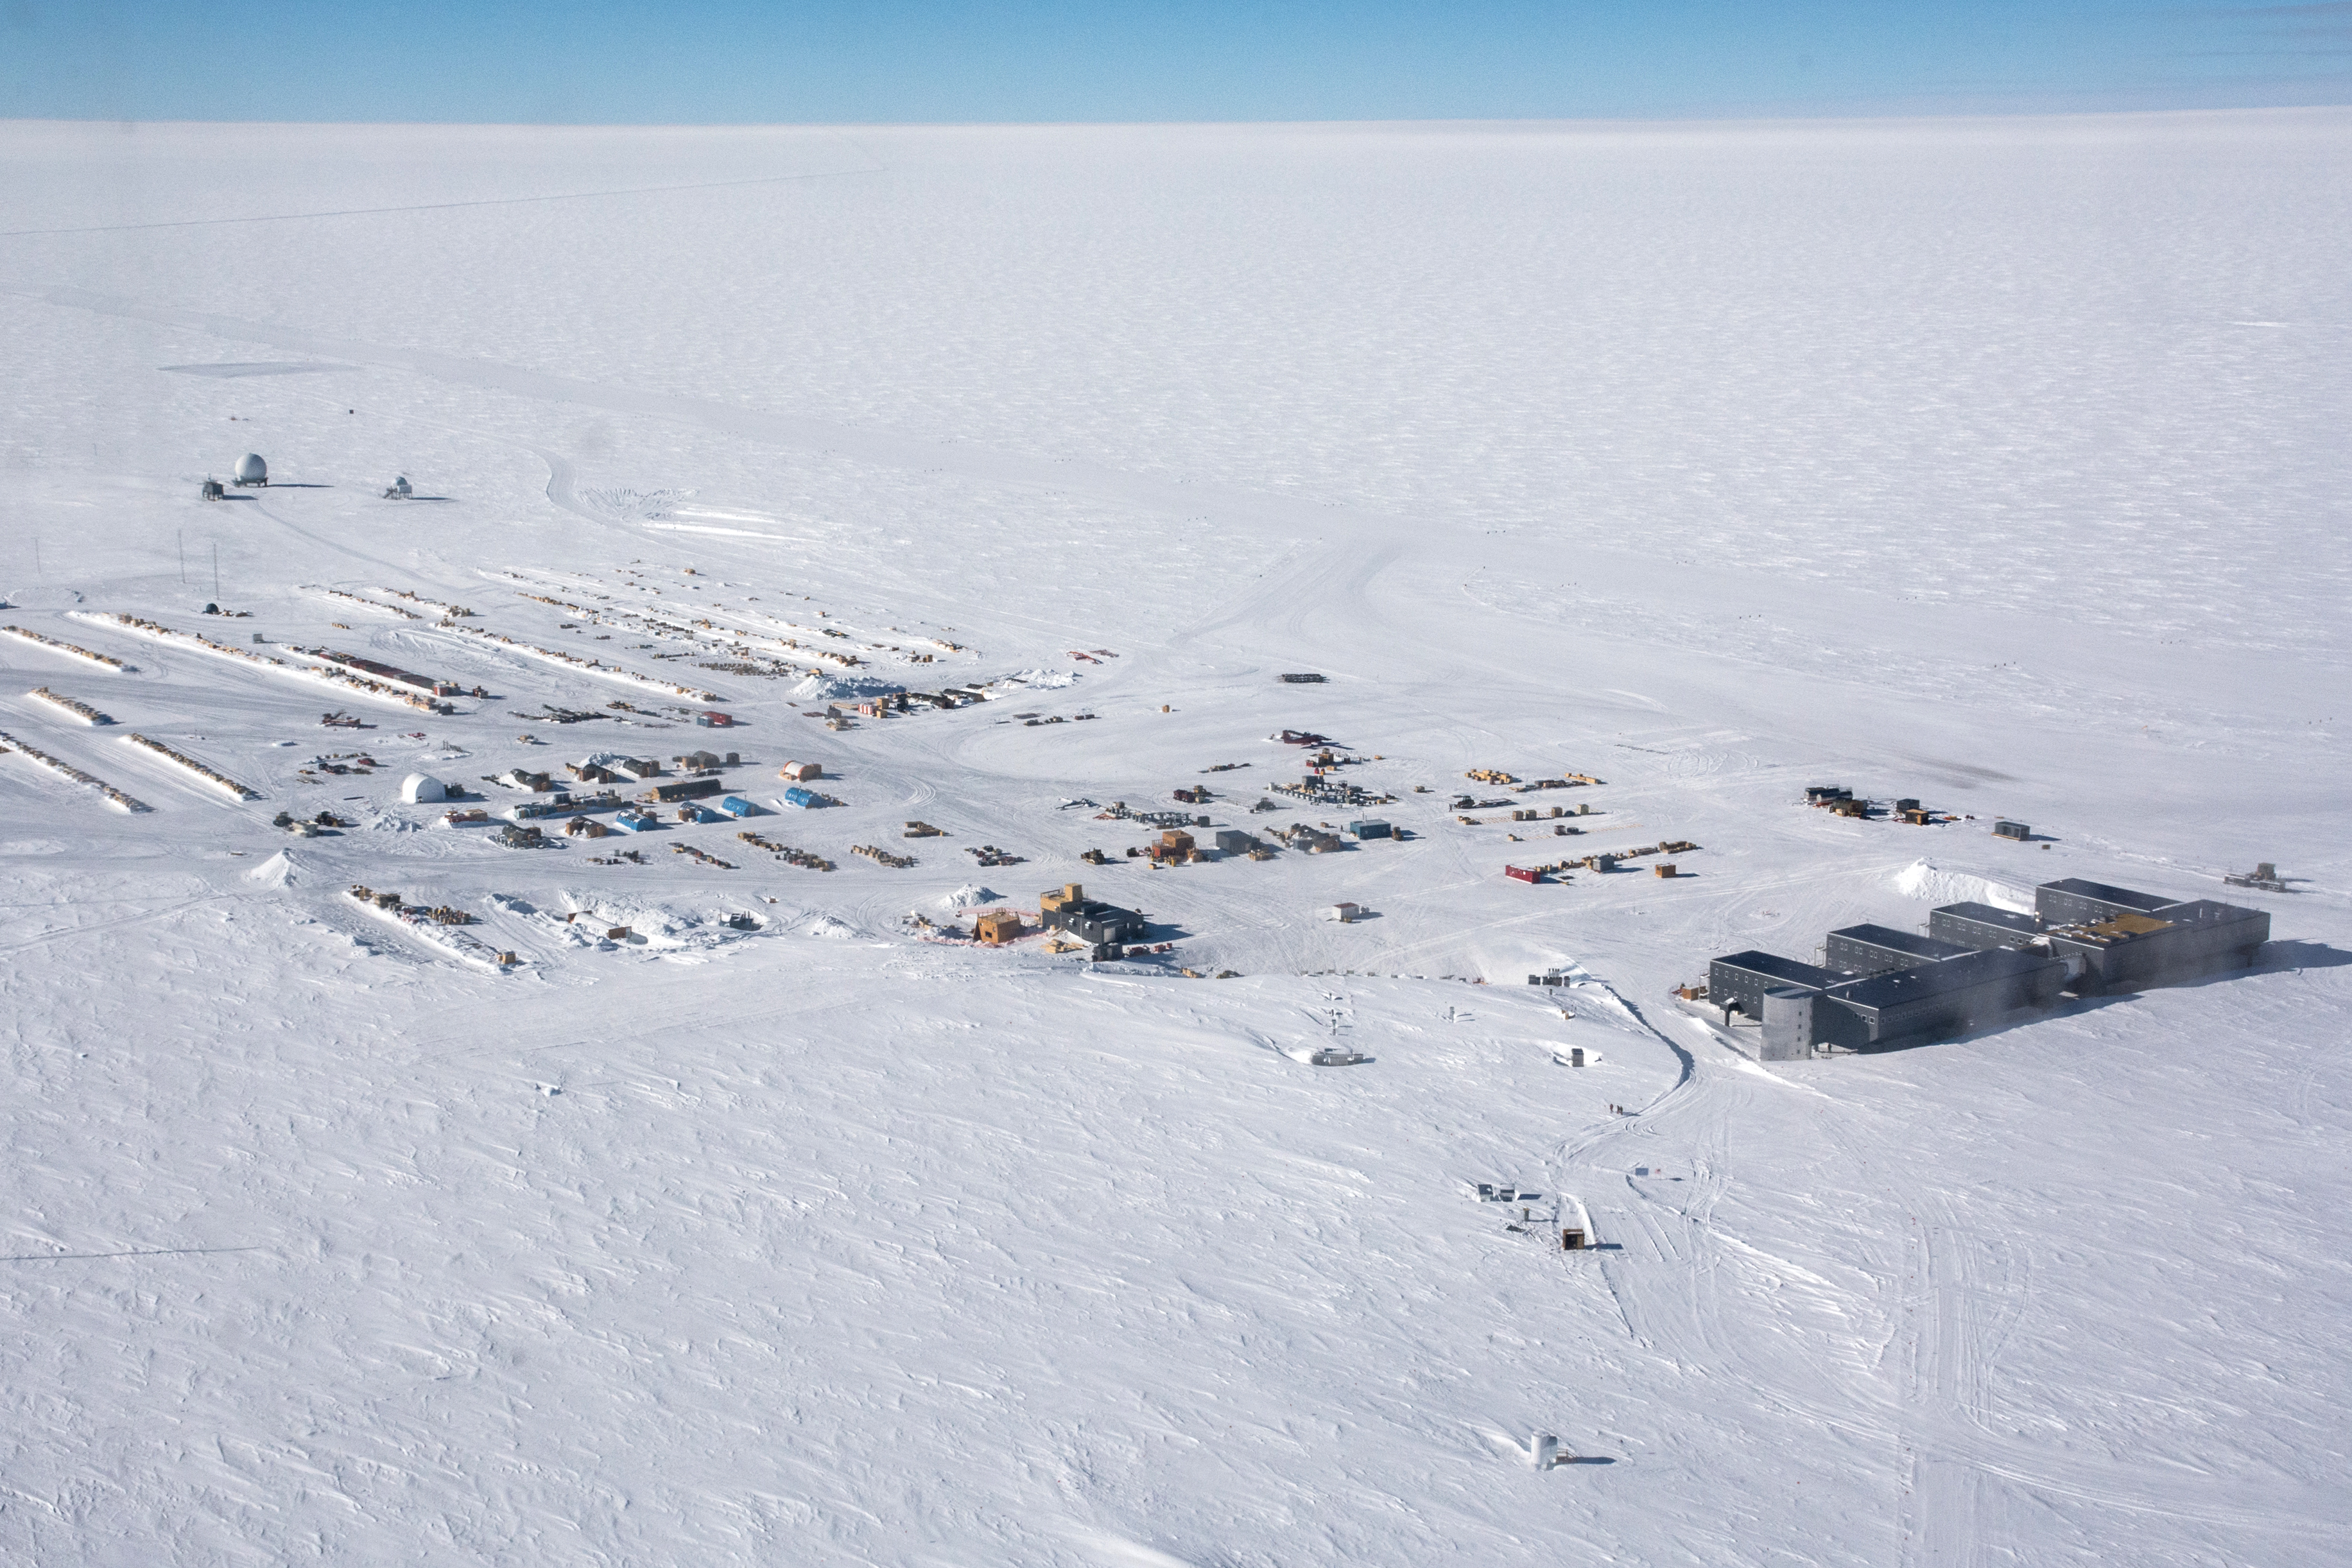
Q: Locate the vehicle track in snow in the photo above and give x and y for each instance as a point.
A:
(1960, 1296)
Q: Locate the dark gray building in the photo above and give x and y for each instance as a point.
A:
(1234, 842)
(1942, 997)
(1982, 925)
(2075, 900)
(1093, 921)
(2177, 942)
(1876, 949)
(1742, 980)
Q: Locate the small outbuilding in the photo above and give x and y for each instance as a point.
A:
(1346, 914)
(1091, 920)
(801, 772)
(683, 789)
(420, 788)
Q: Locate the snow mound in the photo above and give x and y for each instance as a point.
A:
(1039, 680)
(832, 688)
(826, 925)
(970, 895)
(1924, 879)
(280, 869)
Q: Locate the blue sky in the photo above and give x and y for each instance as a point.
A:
(735, 61)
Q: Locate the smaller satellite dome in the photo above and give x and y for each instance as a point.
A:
(421, 787)
(252, 470)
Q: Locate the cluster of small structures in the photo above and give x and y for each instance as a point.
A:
(1518, 787)
(440, 926)
(1977, 962)
(1117, 813)
(1604, 864)
(1318, 790)
(786, 853)
(1308, 839)
(1843, 802)
(308, 827)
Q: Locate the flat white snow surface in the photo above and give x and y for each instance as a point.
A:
(753, 1217)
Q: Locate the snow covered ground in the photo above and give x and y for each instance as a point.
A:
(1996, 463)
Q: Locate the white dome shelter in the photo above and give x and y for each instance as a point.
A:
(252, 470)
(423, 786)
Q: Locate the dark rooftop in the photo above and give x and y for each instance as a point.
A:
(1993, 914)
(2205, 911)
(1789, 971)
(1910, 942)
(2149, 902)
(1883, 991)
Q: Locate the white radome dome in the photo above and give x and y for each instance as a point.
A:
(251, 469)
(421, 787)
